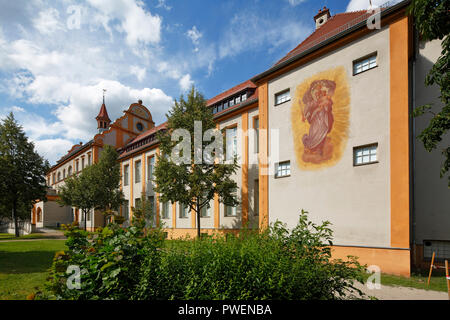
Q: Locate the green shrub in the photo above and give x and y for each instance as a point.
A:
(275, 264)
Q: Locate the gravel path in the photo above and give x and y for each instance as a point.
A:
(402, 293)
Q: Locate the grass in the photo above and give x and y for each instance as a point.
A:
(9, 236)
(24, 265)
(417, 280)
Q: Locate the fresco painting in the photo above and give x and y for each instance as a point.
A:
(320, 119)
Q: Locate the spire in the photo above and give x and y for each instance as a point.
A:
(103, 120)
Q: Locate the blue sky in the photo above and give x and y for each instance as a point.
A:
(57, 56)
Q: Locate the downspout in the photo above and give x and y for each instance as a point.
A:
(413, 148)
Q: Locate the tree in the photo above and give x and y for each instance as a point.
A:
(195, 180)
(97, 187)
(432, 22)
(22, 172)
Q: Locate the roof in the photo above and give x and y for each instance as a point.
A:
(240, 87)
(252, 98)
(103, 114)
(142, 141)
(333, 26)
(74, 150)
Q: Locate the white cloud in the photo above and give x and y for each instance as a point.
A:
(162, 4)
(246, 28)
(53, 149)
(138, 23)
(138, 72)
(48, 21)
(186, 82)
(355, 5)
(195, 36)
(295, 2)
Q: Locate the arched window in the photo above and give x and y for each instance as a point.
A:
(59, 176)
(39, 215)
(64, 173)
(70, 170)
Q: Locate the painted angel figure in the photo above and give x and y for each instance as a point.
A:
(318, 112)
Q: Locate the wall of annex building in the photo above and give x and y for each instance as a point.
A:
(431, 193)
(355, 199)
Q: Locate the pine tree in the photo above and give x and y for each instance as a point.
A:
(22, 172)
(193, 182)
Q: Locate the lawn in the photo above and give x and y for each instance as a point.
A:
(418, 281)
(23, 266)
(9, 236)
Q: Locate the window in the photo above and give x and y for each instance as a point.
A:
(137, 202)
(150, 167)
(54, 177)
(244, 97)
(183, 211)
(365, 154)
(238, 99)
(82, 163)
(364, 64)
(125, 174)
(231, 102)
(77, 166)
(59, 176)
(64, 173)
(282, 97)
(225, 105)
(440, 248)
(256, 128)
(230, 211)
(256, 198)
(70, 171)
(137, 171)
(139, 126)
(151, 200)
(126, 210)
(283, 169)
(231, 143)
(165, 210)
(89, 159)
(205, 211)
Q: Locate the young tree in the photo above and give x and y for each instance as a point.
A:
(432, 22)
(194, 181)
(22, 172)
(97, 187)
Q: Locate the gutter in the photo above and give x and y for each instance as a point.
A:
(357, 26)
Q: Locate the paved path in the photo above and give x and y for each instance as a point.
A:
(44, 234)
(402, 293)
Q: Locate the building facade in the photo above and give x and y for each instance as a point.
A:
(327, 129)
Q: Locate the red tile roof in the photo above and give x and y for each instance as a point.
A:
(103, 114)
(332, 27)
(244, 85)
(147, 133)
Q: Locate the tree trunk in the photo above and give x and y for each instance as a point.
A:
(14, 216)
(198, 219)
(85, 219)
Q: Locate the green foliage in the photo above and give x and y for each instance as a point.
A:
(192, 184)
(275, 264)
(97, 187)
(432, 22)
(22, 172)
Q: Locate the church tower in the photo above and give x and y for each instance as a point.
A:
(103, 120)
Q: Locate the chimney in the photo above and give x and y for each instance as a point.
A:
(322, 17)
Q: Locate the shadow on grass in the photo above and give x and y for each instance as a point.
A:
(25, 262)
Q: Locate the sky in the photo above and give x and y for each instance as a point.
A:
(56, 57)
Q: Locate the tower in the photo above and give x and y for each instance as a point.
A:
(103, 120)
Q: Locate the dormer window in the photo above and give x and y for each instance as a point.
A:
(322, 17)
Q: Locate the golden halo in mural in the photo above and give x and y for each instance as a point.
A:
(320, 119)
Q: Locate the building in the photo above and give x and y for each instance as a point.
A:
(329, 131)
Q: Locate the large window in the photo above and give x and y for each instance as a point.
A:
(165, 210)
(231, 142)
(205, 211)
(364, 64)
(184, 210)
(282, 97)
(150, 168)
(82, 163)
(256, 128)
(365, 154)
(137, 171)
(89, 159)
(126, 178)
(230, 211)
(283, 169)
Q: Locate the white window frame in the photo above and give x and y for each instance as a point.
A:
(282, 97)
(365, 154)
(283, 169)
(365, 63)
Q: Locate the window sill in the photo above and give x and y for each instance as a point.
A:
(276, 177)
(365, 164)
(279, 104)
(355, 74)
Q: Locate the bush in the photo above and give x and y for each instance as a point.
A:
(274, 264)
